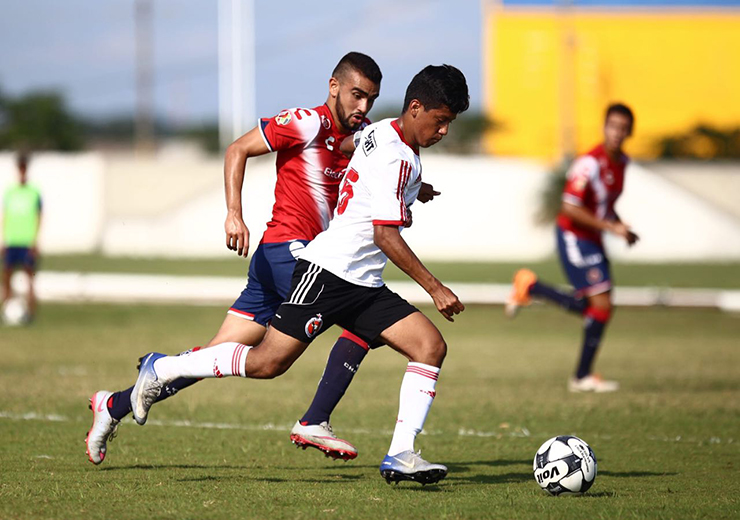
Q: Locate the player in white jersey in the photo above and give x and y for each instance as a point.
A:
(338, 279)
(381, 198)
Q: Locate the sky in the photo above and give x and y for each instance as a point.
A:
(85, 49)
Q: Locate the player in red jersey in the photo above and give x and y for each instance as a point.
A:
(310, 167)
(593, 184)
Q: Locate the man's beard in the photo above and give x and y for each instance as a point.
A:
(344, 119)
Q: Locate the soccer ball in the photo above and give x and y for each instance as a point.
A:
(14, 312)
(565, 465)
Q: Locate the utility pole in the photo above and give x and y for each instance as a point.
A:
(144, 123)
(236, 68)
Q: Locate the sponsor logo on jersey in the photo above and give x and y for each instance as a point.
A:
(594, 275)
(369, 143)
(313, 326)
(333, 173)
(283, 118)
(609, 177)
(325, 122)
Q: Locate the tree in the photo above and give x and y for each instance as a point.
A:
(38, 121)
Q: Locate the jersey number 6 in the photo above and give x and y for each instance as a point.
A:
(346, 192)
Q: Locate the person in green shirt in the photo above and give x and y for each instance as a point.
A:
(21, 222)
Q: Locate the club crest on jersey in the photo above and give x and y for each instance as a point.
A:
(594, 275)
(579, 183)
(283, 118)
(313, 326)
(325, 122)
(369, 144)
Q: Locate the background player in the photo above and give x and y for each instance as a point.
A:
(21, 223)
(309, 167)
(593, 184)
(338, 279)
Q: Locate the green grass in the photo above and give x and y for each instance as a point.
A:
(720, 275)
(668, 444)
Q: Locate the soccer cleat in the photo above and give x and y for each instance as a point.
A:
(592, 383)
(408, 465)
(519, 297)
(147, 387)
(103, 429)
(321, 437)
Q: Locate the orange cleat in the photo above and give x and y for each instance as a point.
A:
(519, 297)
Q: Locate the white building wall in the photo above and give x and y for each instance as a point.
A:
(486, 211)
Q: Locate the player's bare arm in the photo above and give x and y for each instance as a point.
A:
(584, 217)
(390, 241)
(35, 245)
(427, 193)
(249, 145)
(632, 237)
(348, 144)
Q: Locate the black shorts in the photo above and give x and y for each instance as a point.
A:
(318, 299)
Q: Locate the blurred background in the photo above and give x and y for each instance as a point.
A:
(127, 106)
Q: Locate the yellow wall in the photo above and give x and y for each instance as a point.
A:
(674, 70)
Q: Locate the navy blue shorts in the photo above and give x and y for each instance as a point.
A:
(19, 257)
(270, 275)
(585, 264)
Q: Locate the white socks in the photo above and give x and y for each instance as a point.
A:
(224, 359)
(417, 394)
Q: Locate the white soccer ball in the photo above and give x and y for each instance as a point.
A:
(565, 465)
(15, 312)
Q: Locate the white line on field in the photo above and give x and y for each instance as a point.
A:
(518, 432)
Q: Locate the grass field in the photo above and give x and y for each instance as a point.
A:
(668, 445)
(717, 275)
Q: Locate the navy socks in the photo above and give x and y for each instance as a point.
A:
(119, 404)
(566, 301)
(344, 361)
(593, 329)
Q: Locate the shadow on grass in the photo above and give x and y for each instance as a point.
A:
(505, 478)
(148, 467)
(272, 480)
(600, 494)
(463, 466)
(634, 474)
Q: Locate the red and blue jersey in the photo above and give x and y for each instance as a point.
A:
(309, 169)
(595, 182)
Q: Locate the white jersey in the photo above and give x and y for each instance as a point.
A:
(382, 181)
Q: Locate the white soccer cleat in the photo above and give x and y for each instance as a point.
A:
(147, 388)
(321, 437)
(408, 465)
(103, 429)
(592, 383)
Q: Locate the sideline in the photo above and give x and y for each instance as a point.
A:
(214, 290)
